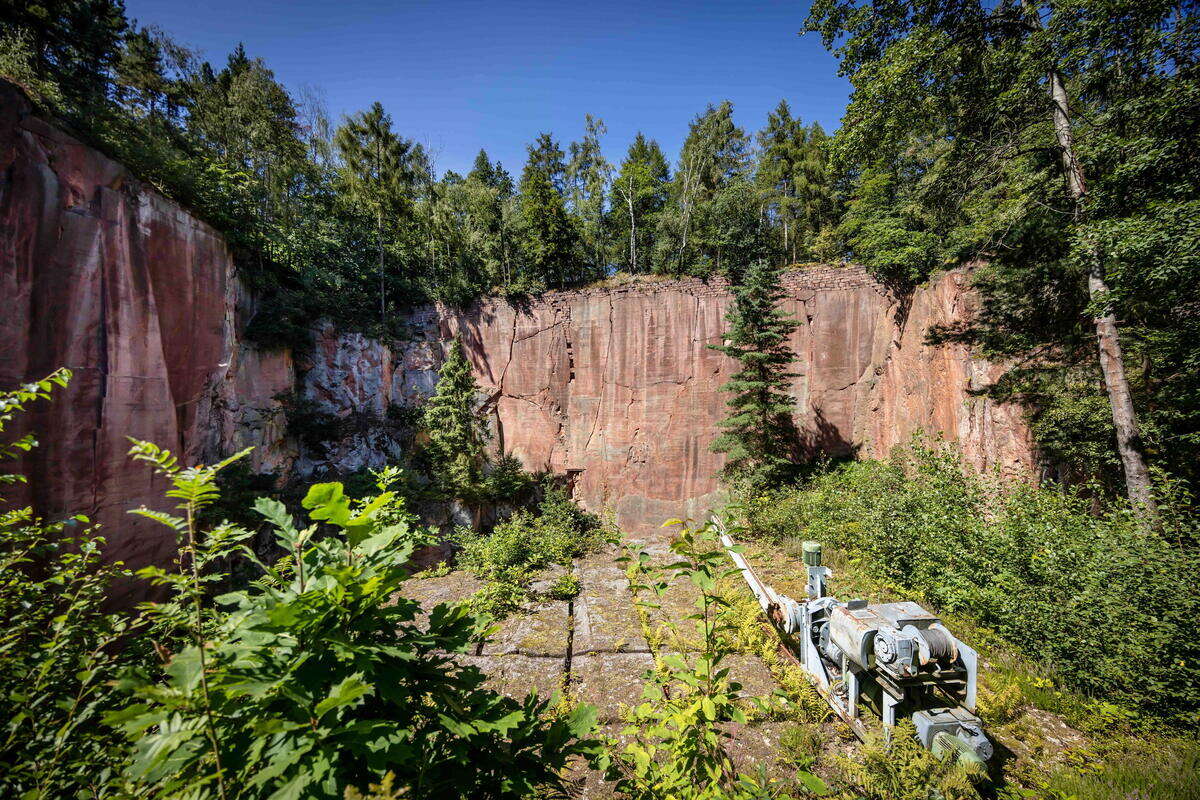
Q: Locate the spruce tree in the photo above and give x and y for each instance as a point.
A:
(794, 179)
(760, 438)
(492, 175)
(140, 73)
(549, 236)
(457, 432)
(379, 175)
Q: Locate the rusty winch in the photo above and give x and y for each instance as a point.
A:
(896, 657)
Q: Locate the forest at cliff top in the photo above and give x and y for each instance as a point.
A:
(949, 153)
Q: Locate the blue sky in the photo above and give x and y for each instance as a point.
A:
(459, 75)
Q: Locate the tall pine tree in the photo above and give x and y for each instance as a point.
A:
(760, 437)
(457, 432)
(792, 175)
(378, 176)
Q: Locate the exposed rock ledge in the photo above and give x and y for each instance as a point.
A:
(615, 386)
(619, 389)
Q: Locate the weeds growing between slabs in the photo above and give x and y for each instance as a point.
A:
(507, 558)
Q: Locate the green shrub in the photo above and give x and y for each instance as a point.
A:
(526, 542)
(507, 481)
(58, 654)
(58, 648)
(320, 676)
(1101, 600)
(565, 587)
(316, 678)
(1152, 769)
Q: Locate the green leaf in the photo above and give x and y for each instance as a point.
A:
(349, 692)
(327, 502)
(582, 720)
(276, 513)
(812, 783)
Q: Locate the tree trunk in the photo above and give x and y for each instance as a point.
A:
(1112, 362)
(632, 230)
(382, 295)
(687, 210)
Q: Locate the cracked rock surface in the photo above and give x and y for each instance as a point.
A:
(614, 385)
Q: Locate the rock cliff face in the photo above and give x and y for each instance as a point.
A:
(614, 387)
(130, 292)
(618, 388)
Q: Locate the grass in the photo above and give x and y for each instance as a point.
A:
(1063, 745)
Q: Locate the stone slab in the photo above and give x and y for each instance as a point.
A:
(517, 675)
(669, 626)
(752, 673)
(429, 592)
(542, 629)
(610, 681)
(605, 618)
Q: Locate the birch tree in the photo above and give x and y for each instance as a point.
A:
(969, 113)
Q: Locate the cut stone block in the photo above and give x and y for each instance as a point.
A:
(605, 618)
(517, 675)
(451, 588)
(599, 572)
(752, 673)
(608, 623)
(540, 630)
(669, 626)
(610, 681)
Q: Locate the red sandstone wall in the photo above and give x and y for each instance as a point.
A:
(621, 386)
(100, 274)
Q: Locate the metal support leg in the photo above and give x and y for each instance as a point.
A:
(889, 709)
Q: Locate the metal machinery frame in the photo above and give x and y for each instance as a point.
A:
(897, 657)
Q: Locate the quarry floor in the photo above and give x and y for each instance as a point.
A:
(594, 648)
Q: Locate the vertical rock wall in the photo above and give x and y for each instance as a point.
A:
(100, 274)
(616, 387)
(620, 389)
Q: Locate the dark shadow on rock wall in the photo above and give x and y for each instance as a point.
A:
(820, 443)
